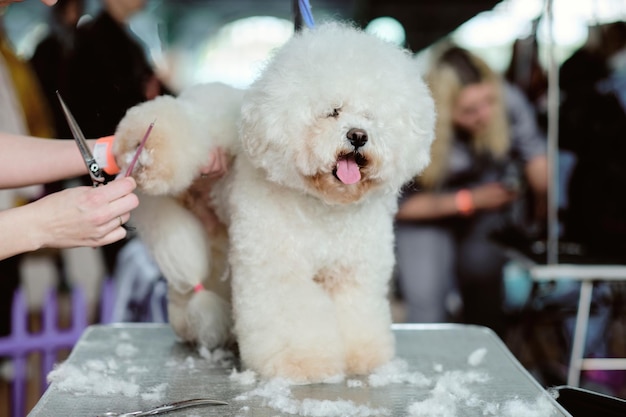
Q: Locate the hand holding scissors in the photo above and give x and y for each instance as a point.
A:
(96, 172)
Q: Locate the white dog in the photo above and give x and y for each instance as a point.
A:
(322, 142)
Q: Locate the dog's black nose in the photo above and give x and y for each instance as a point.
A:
(357, 137)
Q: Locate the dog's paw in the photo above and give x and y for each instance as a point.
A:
(304, 367)
(361, 360)
(174, 152)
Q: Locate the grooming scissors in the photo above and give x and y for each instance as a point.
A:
(166, 408)
(95, 171)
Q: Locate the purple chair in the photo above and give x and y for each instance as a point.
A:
(20, 343)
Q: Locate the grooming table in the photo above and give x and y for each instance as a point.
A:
(160, 369)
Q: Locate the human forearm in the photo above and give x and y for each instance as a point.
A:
(537, 174)
(428, 206)
(78, 216)
(28, 160)
(16, 232)
(538, 179)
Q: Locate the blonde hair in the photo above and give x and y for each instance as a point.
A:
(454, 69)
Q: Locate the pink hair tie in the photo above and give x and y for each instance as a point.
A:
(198, 288)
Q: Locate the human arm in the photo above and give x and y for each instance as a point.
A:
(27, 160)
(197, 197)
(80, 216)
(427, 206)
(432, 206)
(536, 171)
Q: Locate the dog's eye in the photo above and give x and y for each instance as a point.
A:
(334, 113)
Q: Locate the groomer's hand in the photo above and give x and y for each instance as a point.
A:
(197, 198)
(217, 164)
(84, 216)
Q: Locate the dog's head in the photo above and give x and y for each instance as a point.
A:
(338, 113)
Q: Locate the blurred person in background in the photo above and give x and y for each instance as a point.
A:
(485, 129)
(22, 111)
(52, 56)
(34, 111)
(592, 212)
(526, 72)
(592, 123)
(109, 73)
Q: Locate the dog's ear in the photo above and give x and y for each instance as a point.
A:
(252, 131)
(421, 118)
(260, 130)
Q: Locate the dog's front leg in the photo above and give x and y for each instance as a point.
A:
(285, 323)
(364, 316)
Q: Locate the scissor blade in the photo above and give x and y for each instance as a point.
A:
(94, 169)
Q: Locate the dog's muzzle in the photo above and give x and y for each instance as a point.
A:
(348, 168)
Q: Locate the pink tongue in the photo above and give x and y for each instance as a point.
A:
(348, 171)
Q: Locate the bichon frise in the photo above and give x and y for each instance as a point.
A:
(321, 143)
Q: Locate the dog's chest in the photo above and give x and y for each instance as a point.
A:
(336, 279)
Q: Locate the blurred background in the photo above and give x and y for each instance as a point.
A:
(192, 41)
(187, 42)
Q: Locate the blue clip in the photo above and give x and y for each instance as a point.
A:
(305, 12)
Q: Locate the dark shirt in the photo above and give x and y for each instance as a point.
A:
(592, 122)
(109, 72)
(51, 65)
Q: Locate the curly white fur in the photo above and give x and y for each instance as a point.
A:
(334, 126)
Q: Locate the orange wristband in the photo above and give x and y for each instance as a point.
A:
(464, 202)
(103, 152)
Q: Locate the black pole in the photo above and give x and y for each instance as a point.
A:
(297, 16)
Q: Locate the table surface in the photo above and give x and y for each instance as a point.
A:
(148, 366)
